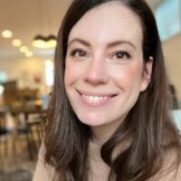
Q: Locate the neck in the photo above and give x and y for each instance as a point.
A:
(102, 133)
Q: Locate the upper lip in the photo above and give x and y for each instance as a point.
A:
(99, 94)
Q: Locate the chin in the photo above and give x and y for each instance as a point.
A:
(92, 120)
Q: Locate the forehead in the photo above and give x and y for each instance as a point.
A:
(110, 21)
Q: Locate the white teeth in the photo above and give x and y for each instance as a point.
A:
(94, 99)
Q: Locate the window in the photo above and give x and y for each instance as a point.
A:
(168, 16)
(3, 76)
(49, 72)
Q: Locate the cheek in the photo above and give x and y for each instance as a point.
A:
(130, 76)
(70, 74)
(135, 73)
(73, 72)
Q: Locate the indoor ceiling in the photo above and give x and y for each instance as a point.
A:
(27, 18)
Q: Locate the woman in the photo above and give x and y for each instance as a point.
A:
(109, 115)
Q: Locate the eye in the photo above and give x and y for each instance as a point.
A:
(121, 55)
(78, 53)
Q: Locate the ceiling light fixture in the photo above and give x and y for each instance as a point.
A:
(6, 34)
(23, 49)
(45, 39)
(16, 42)
(44, 42)
(28, 53)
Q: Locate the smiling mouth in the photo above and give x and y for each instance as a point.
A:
(96, 100)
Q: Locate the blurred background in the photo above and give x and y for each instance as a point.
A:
(28, 31)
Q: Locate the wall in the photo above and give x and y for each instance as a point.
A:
(172, 53)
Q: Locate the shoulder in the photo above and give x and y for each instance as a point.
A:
(169, 175)
(43, 171)
(171, 169)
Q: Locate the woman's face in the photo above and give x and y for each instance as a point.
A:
(105, 72)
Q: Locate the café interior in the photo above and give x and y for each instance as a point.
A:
(28, 31)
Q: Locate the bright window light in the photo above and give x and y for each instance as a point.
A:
(3, 76)
(49, 72)
(168, 16)
(1, 90)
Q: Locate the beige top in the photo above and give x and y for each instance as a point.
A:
(43, 171)
(99, 170)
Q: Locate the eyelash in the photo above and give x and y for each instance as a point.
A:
(117, 55)
(121, 54)
(78, 53)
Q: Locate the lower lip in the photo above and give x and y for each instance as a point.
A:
(96, 103)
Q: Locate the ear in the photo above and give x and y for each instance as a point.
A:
(147, 72)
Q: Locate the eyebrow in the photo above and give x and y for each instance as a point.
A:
(109, 45)
(87, 44)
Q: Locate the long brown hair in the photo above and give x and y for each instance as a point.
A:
(148, 124)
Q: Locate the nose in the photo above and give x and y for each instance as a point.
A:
(96, 73)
